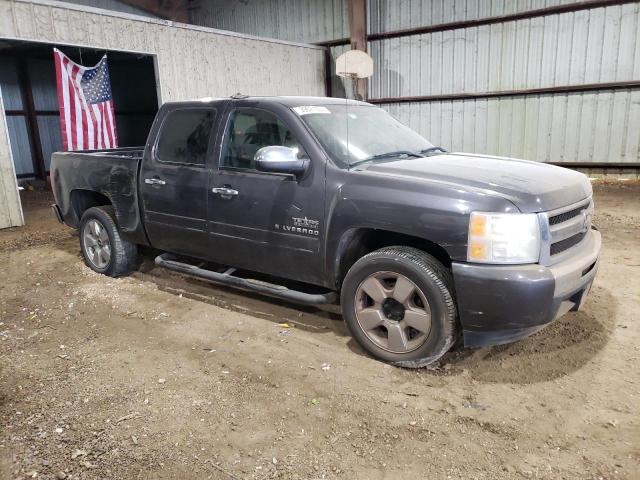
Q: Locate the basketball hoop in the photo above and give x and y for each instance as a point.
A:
(354, 64)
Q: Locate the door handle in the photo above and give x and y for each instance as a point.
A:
(154, 181)
(225, 191)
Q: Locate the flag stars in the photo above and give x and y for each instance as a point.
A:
(95, 83)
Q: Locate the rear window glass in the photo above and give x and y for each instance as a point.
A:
(184, 136)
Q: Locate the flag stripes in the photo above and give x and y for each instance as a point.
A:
(86, 105)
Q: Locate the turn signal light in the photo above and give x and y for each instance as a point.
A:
(477, 252)
(478, 225)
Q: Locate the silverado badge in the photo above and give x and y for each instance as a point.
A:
(304, 226)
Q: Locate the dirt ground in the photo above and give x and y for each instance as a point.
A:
(160, 376)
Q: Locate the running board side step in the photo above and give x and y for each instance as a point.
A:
(169, 261)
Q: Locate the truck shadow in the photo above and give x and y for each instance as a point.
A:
(561, 348)
(322, 319)
(557, 350)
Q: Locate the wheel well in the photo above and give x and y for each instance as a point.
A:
(81, 200)
(364, 241)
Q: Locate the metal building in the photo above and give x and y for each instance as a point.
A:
(187, 62)
(550, 80)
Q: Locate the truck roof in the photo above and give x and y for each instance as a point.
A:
(289, 101)
(293, 101)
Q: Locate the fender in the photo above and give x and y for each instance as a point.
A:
(115, 180)
(434, 212)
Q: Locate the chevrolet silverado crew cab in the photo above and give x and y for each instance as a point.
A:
(320, 200)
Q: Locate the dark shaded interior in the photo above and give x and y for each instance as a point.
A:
(28, 83)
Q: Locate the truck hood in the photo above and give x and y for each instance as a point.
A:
(530, 186)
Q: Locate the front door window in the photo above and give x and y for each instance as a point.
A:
(249, 130)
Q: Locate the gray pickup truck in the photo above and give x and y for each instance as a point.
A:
(320, 200)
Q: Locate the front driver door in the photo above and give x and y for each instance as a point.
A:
(266, 222)
(174, 181)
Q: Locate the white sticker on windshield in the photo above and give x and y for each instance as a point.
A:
(309, 109)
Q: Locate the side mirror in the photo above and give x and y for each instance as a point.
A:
(278, 159)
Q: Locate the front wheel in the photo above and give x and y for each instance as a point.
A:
(398, 305)
(103, 248)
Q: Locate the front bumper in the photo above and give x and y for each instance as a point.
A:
(501, 304)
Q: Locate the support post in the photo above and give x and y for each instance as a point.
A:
(358, 38)
(328, 78)
(32, 118)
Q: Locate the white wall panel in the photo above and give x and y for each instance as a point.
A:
(192, 62)
(10, 207)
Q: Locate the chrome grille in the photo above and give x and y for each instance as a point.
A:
(563, 217)
(567, 228)
(567, 243)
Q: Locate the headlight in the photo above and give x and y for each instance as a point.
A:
(503, 238)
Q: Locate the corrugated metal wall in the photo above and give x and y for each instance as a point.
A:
(17, 125)
(192, 62)
(588, 46)
(387, 15)
(293, 20)
(583, 47)
(581, 127)
(45, 98)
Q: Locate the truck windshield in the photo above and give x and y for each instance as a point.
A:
(357, 134)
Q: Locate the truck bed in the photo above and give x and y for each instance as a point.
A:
(112, 173)
(123, 152)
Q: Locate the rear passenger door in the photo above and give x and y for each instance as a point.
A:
(174, 180)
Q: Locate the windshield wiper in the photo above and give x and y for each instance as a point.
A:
(398, 153)
(432, 151)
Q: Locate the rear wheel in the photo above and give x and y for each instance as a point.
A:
(398, 304)
(103, 248)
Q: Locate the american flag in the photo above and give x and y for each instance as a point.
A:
(86, 105)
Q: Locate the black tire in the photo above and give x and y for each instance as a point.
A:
(433, 280)
(123, 254)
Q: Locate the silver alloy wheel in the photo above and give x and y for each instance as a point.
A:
(393, 312)
(97, 246)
